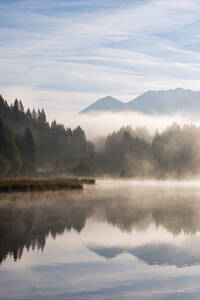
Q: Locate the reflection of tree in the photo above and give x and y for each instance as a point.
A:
(27, 223)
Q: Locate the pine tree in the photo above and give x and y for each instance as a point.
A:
(28, 151)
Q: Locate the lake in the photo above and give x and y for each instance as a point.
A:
(115, 240)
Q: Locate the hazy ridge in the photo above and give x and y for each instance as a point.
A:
(151, 102)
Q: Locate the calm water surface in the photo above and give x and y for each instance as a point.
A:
(116, 240)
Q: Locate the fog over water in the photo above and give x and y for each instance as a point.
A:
(115, 240)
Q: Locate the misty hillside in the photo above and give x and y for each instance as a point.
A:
(163, 102)
(30, 145)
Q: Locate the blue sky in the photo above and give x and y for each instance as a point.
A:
(65, 54)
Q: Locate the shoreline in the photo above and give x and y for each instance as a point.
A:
(47, 184)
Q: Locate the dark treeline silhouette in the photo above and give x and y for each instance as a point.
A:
(29, 145)
(26, 220)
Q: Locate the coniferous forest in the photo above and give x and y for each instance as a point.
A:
(30, 146)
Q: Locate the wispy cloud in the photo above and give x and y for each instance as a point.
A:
(96, 47)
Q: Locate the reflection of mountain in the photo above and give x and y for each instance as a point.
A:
(154, 254)
(107, 252)
(27, 222)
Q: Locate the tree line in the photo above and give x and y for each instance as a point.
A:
(173, 153)
(31, 146)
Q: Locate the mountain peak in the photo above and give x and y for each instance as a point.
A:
(107, 98)
(177, 100)
(107, 103)
(166, 102)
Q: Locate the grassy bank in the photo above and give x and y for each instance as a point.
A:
(51, 184)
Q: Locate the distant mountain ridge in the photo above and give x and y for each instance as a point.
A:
(150, 102)
(105, 104)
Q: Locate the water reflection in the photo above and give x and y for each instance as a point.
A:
(155, 254)
(26, 220)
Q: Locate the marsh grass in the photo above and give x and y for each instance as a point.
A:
(50, 184)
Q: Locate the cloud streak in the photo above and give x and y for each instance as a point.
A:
(90, 47)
